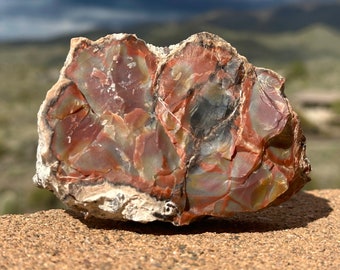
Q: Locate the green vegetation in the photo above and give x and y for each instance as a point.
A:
(308, 58)
(40, 199)
(27, 71)
(297, 70)
(336, 106)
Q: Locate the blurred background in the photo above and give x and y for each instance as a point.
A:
(298, 39)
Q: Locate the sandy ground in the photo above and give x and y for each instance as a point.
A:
(303, 233)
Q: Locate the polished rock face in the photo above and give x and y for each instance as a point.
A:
(135, 132)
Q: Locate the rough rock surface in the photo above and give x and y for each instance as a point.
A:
(302, 233)
(135, 132)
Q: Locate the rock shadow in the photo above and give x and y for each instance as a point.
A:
(301, 209)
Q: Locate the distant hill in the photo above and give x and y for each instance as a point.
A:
(280, 19)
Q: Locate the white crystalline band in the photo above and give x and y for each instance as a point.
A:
(119, 202)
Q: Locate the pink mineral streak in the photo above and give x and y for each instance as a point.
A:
(135, 132)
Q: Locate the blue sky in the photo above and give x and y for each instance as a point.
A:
(41, 19)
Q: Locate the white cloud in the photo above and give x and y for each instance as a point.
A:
(20, 19)
(20, 28)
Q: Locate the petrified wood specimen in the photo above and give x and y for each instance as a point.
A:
(135, 132)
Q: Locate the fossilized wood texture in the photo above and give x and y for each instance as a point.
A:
(131, 131)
